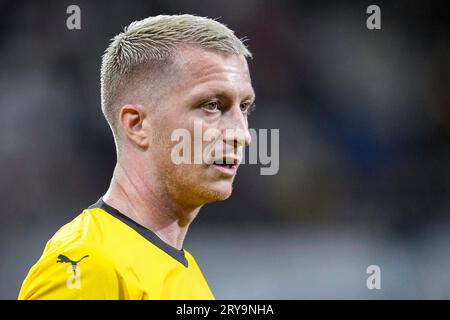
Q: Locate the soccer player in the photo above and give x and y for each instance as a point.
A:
(161, 74)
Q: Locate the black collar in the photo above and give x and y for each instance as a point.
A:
(144, 232)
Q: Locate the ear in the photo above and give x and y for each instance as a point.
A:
(131, 120)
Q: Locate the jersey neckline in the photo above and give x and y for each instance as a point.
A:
(149, 235)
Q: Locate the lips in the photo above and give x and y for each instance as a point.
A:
(232, 162)
(227, 165)
(227, 160)
(226, 169)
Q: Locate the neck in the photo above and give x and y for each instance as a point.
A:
(149, 206)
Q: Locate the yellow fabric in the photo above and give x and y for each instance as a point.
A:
(104, 258)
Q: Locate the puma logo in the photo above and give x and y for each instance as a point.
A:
(63, 259)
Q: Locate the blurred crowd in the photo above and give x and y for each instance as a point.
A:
(363, 114)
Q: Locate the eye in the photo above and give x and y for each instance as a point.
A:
(211, 106)
(247, 107)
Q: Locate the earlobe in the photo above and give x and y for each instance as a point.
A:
(132, 117)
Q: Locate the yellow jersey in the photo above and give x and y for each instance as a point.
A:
(103, 254)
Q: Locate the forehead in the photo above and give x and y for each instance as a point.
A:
(201, 69)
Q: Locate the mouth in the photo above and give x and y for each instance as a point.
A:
(228, 169)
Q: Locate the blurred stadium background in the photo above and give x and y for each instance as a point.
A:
(364, 119)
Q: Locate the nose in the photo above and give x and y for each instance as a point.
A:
(236, 128)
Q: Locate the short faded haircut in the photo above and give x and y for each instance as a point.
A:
(153, 42)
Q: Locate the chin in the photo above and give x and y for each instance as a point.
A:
(218, 191)
(196, 188)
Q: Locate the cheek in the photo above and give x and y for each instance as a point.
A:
(159, 146)
(165, 148)
(201, 135)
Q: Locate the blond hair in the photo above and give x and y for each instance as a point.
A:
(153, 41)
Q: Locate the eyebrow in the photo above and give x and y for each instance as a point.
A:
(251, 97)
(223, 94)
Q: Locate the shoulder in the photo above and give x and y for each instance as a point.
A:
(74, 264)
(86, 227)
(72, 272)
(81, 243)
(191, 260)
